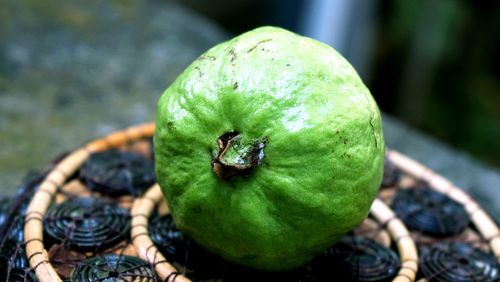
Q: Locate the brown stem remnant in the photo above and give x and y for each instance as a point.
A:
(236, 157)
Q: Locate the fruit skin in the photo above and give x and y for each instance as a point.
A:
(323, 159)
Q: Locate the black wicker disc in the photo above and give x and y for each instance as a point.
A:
(177, 247)
(88, 224)
(356, 259)
(201, 265)
(4, 211)
(15, 229)
(13, 255)
(12, 248)
(20, 275)
(117, 173)
(392, 174)
(167, 238)
(12, 251)
(113, 268)
(13, 208)
(430, 212)
(458, 262)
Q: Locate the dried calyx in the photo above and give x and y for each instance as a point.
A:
(237, 156)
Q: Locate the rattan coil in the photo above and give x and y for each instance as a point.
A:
(33, 229)
(482, 221)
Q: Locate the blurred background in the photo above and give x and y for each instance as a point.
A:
(71, 71)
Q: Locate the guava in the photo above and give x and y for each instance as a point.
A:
(268, 149)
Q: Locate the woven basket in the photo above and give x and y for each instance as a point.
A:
(33, 229)
(142, 207)
(487, 228)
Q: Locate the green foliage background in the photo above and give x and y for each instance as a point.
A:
(436, 67)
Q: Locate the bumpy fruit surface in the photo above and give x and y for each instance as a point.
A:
(268, 149)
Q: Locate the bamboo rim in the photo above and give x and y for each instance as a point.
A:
(141, 211)
(401, 236)
(486, 226)
(33, 230)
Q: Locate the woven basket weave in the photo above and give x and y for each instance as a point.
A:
(143, 207)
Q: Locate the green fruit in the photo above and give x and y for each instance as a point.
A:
(268, 149)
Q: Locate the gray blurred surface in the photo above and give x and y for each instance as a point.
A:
(71, 73)
(479, 180)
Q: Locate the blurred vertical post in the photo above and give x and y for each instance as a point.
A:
(346, 25)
